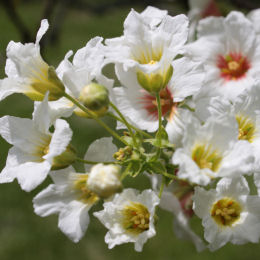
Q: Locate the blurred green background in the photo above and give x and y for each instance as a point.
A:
(24, 235)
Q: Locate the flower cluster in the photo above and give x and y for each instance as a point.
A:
(189, 105)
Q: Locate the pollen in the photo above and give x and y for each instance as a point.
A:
(135, 218)
(206, 157)
(233, 66)
(226, 212)
(247, 129)
(84, 194)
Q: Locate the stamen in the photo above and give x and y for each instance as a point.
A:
(206, 157)
(247, 129)
(233, 66)
(84, 194)
(226, 212)
(136, 218)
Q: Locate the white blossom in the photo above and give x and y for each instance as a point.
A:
(229, 49)
(34, 146)
(228, 213)
(129, 218)
(212, 150)
(70, 198)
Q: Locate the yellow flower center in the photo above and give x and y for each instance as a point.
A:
(148, 55)
(85, 195)
(233, 65)
(226, 212)
(206, 157)
(246, 127)
(135, 218)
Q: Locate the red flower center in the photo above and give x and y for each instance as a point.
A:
(150, 105)
(233, 66)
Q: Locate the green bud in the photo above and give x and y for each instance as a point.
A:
(95, 97)
(65, 159)
(155, 82)
(48, 81)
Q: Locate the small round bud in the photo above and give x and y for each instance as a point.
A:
(95, 97)
(104, 180)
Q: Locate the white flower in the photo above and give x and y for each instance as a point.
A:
(212, 150)
(228, 213)
(229, 49)
(129, 218)
(140, 106)
(70, 198)
(104, 180)
(28, 73)
(85, 68)
(35, 150)
(246, 110)
(147, 47)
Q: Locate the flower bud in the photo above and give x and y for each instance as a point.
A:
(155, 82)
(65, 159)
(104, 180)
(95, 97)
(48, 81)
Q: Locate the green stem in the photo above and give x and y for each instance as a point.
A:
(125, 173)
(92, 115)
(173, 177)
(93, 162)
(158, 101)
(125, 122)
(135, 128)
(161, 188)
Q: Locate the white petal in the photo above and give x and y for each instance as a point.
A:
(60, 139)
(74, 220)
(234, 187)
(153, 16)
(187, 78)
(20, 132)
(49, 201)
(101, 150)
(9, 86)
(43, 28)
(41, 115)
(32, 174)
(202, 201)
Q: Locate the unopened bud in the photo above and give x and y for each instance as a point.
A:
(104, 180)
(46, 81)
(155, 82)
(95, 97)
(65, 159)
